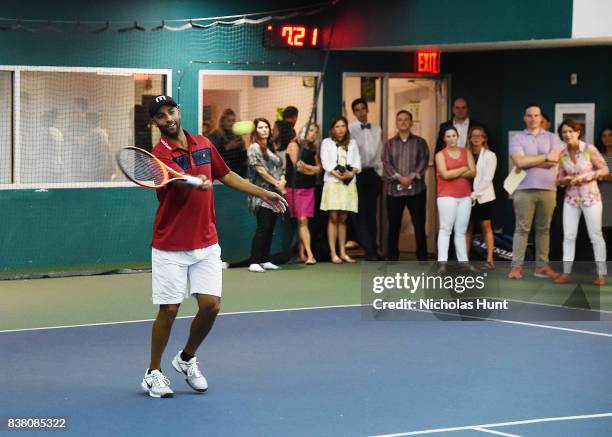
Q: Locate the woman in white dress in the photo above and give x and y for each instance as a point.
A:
(341, 162)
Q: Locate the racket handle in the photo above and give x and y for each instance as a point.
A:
(196, 182)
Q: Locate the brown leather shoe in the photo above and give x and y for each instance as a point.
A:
(516, 272)
(563, 279)
(545, 272)
(600, 281)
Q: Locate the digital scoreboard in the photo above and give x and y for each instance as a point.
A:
(287, 35)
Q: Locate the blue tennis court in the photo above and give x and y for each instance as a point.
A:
(322, 372)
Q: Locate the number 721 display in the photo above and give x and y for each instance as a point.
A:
(291, 36)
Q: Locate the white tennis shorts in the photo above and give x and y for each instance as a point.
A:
(177, 274)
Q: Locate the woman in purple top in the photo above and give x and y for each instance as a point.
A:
(580, 165)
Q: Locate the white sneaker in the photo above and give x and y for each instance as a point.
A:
(195, 379)
(270, 266)
(256, 268)
(156, 384)
(224, 265)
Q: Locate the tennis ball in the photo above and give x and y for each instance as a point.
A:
(243, 127)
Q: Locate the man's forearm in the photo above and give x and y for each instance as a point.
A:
(546, 164)
(529, 161)
(389, 171)
(236, 182)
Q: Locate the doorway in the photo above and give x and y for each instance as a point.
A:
(426, 98)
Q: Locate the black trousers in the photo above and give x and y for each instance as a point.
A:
(262, 241)
(417, 207)
(369, 185)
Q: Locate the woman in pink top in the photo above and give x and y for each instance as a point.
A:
(454, 170)
(580, 165)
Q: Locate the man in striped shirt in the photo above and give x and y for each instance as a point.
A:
(405, 160)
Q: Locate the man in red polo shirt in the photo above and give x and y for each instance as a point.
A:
(186, 257)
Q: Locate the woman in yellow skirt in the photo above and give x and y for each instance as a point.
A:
(341, 162)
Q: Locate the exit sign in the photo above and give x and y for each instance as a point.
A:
(427, 61)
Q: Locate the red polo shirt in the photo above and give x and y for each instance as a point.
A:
(185, 219)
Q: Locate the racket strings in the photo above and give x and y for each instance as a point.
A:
(141, 168)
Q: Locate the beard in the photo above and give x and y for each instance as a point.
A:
(168, 133)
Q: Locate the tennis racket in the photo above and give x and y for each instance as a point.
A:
(144, 169)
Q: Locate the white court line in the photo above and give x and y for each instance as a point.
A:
(490, 431)
(512, 322)
(181, 317)
(495, 425)
(549, 305)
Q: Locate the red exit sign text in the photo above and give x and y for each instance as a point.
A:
(427, 61)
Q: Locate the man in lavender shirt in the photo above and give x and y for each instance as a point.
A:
(536, 151)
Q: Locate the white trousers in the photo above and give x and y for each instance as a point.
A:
(592, 217)
(454, 214)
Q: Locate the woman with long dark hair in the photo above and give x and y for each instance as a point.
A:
(341, 162)
(455, 169)
(302, 168)
(266, 171)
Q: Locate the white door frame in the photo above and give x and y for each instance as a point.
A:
(442, 78)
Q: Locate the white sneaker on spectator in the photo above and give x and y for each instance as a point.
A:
(270, 266)
(190, 369)
(156, 384)
(256, 268)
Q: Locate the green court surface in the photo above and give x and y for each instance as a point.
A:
(80, 300)
(33, 303)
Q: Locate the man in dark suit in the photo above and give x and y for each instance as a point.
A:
(461, 121)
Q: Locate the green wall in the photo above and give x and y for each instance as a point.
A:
(105, 229)
(412, 22)
(80, 227)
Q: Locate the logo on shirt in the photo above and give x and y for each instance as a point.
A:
(165, 144)
(201, 156)
(183, 162)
